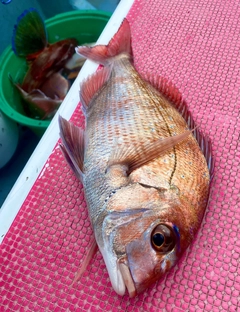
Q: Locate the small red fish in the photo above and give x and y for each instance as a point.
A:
(145, 177)
(38, 88)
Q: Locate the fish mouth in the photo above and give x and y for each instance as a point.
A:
(127, 278)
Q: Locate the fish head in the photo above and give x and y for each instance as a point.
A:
(143, 241)
(149, 257)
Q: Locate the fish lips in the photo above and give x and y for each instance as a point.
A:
(142, 265)
(111, 225)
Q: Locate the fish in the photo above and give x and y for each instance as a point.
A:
(144, 165)
(44, 87)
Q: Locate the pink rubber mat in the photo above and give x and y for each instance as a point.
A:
(195, 44)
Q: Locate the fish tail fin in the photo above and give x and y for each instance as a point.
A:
(29, 34)
(120, 43)
(73, 153)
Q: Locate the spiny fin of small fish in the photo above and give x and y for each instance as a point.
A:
(102, 54)
(29, 34)
(73, 153)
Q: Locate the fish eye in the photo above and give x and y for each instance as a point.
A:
(163, 238)
(158, 239)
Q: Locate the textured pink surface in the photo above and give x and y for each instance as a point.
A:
(195, 44)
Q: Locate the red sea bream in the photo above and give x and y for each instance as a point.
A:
(145, 177)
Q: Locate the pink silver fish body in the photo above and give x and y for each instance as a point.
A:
(145, 178)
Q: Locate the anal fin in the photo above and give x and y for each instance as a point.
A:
(73, 146)
(93, 84)
(134, 157)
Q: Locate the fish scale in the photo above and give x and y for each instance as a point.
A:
(112, 124)
(145, 178)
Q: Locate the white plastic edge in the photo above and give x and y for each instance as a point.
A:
(31, 171)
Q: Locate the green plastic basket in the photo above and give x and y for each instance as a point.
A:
(85, 26)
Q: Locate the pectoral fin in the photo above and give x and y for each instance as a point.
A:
(73, 146)
(135, 157)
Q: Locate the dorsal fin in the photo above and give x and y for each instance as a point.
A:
(206, 147)
(134, 157)
(172, 93)
(120, 43)
(93, 84)
(73, 146)
(29, 34)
